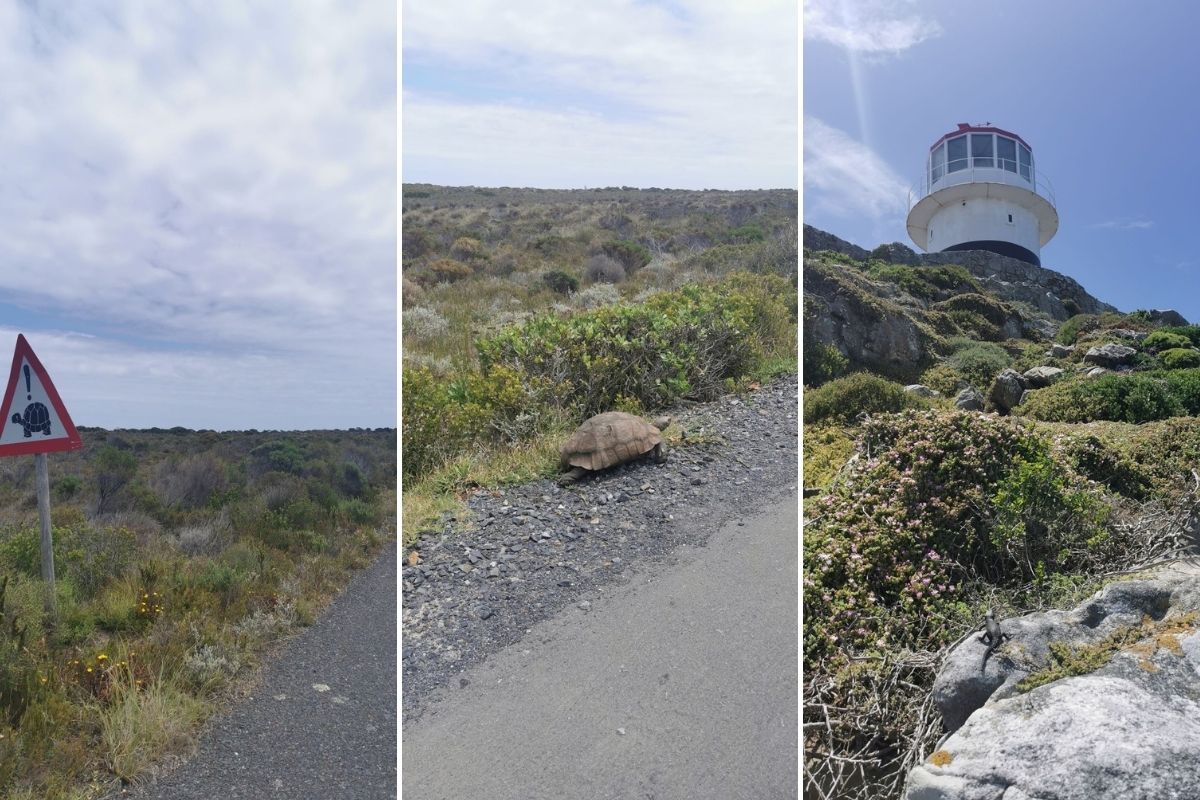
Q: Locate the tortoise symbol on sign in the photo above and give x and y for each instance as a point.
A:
(37, 418)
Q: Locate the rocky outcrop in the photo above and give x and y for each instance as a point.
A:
(871, 332)
(1012, 280)
(896, 253)
(1166, 317)
(1110, 709)
(817, 239)
(1110, 355)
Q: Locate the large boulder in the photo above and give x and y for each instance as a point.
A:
(1166, 317)
(921, 390)
(1061, 350)
(1110, 355)
(1007, 390)
(969, 400)
(1039, 377)
(1123, 722)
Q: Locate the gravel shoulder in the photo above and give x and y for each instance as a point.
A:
(527, 553)
(322, 721)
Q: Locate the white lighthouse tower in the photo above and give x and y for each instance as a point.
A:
(981, 192)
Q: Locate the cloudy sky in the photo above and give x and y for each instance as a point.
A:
(686, 94)
(1099, 97)
(198, 206)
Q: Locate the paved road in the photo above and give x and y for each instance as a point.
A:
(681, 685)
(290, 740)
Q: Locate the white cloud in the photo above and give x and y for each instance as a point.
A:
(214, 182)
(1125, 224)
(880, 27)
(842, 176)
(689, 95)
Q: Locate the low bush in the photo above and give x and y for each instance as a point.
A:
(468, 249)
(1119, 398)
(1180, 358)
(560, 282)
(1165, 340)
(1069, 331)
(630, 255)
(926, 282)
(943, 378)
(843, 399)
(603, 269)
(419, 322)
(978, 362)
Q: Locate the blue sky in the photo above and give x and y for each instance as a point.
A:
(199, 209)
(1100, 91)
(684, 94)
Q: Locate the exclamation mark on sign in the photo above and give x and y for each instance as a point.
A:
(28, 390)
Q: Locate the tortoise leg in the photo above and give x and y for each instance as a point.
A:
(567, 478)
(659, 453)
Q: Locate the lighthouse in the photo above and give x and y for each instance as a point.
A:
(981, 191)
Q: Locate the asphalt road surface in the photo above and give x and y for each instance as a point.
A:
(293, 738)
(682, 684)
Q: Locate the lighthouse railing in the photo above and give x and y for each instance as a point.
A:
(923, 188)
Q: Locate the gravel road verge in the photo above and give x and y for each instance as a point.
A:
(524, 553)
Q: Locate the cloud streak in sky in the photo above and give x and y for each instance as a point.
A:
(875, 27)
(210, 188)
(844, 177)
(683, 95)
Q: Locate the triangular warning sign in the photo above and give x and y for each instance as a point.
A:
(34, 419)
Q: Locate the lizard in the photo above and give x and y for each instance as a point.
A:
(992, 636)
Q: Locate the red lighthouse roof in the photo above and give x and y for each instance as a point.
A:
(964, 127)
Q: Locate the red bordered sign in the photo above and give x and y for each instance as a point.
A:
(34, 419)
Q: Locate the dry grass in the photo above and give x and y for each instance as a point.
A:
(143, 723)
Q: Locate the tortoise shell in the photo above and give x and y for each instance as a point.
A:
(36, 415)
(608, 439)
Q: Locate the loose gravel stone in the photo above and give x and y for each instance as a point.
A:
(549, 546)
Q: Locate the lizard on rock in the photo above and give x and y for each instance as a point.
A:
(993, 637)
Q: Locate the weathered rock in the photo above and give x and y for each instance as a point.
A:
(920, 390)
(817, 239)
(1130, 728)
(1126, 333)
(1166, 317)
(1013, 280)
(1042, 376)
(1061, 350)
(1110, 355)
(871, 333)
(1096, 372)
(969, 400)
(1007, 389)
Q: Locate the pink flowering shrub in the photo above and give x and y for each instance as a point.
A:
(938, 506)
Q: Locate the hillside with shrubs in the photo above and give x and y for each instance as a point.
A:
(528, 310)
(965, 449)
(181, 556)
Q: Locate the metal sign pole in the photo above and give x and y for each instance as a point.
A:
(43, 498)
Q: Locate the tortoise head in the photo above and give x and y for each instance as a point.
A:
(661, 422)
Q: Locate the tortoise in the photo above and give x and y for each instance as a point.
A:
(37, 418)
(608, 439)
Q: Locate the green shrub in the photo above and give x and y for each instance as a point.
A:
(943, 378)
(1069, 331)
(1180, 358)
(1192, 332)
(1165, 340)
(1098, 461)
(602, 269)
(447, 270)
(746, 234)
(675, 344)
(115, 468)
(86, 556)
(1119, 398)
(560, 282)
(978, 362)
(468, 249)
(822, 362)
(842, 400)
(630, 255)
(1184, 385)
(927, 282)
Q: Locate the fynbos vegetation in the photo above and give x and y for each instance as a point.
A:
(180, 555)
